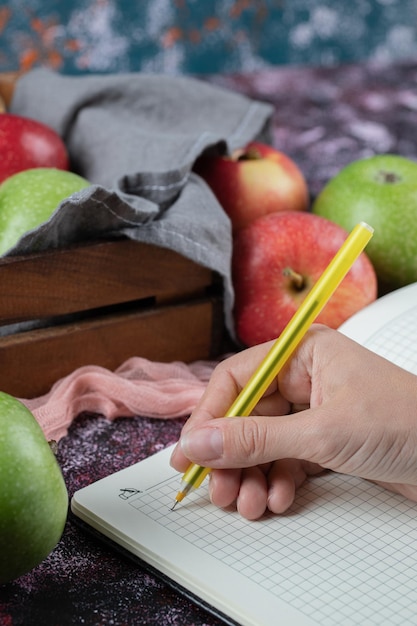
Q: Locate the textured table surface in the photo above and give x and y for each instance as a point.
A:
(324, 118)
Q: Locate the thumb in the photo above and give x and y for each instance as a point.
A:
(232, 442)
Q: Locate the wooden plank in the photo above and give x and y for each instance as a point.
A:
(31, 362)
(88, 277)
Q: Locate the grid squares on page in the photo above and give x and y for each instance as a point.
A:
(396, 340)
(345, 548)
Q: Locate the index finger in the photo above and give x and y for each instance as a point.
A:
(226, 382)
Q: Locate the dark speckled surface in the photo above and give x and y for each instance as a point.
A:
(324, 118)
(83, 581)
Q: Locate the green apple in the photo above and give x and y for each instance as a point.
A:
(30, 197)
(33, 495)
(382, 191)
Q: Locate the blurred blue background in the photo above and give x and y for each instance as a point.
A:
(202, 36)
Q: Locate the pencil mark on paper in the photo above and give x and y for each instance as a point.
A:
(128, 492)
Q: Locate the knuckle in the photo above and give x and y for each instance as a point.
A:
(253, 441)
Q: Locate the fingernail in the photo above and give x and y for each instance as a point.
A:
(203, 444)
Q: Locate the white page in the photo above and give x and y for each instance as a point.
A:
(345, 553)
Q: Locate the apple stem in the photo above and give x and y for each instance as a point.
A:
(296, 278)
(388, 177)
(251, 154)
(53, 445)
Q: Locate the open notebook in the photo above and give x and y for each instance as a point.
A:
(345, 553)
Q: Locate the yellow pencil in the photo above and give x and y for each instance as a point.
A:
(288, 340)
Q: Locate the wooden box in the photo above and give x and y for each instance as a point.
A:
(100, 304)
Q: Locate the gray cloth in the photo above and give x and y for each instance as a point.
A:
(135, 137)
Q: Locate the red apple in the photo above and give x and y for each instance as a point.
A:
(254, 181)
(26, 143)
(277, 259)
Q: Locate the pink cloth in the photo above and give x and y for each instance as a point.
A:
(137, 387)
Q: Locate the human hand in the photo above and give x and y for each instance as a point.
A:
(355, 413)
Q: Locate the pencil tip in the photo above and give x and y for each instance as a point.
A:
(174, 505)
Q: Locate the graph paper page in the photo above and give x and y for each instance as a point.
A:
(345, 553)
(389, 327)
